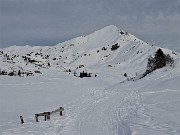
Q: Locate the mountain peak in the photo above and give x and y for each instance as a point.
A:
(101, 37)
(109, 28)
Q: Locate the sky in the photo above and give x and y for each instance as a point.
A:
(48, 22)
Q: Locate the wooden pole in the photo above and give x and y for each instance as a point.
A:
(22, 121)
(60, 113)
(61, 109)
(45, 117)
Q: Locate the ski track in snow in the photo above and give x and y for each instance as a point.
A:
(101, 114)
(80, 123)
(98, 112)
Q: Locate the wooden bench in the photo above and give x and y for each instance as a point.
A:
(60, 110)
(47, 114)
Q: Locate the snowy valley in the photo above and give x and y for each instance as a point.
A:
(97, 79)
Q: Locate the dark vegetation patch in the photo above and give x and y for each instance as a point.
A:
(115, 47)
(158, 61)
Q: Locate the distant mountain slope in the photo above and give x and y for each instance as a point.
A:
(107, 48)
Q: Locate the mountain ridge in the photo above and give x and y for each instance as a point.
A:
(109, 46)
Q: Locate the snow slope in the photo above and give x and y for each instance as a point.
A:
(91, 51)
(108, 104)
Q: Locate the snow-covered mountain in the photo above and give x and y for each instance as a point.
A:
(106, 48)
(109, 102)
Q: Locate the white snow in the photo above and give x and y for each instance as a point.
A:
(104, 105)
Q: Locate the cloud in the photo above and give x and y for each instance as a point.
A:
(45, 22)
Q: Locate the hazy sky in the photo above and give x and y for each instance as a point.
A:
(48, 22)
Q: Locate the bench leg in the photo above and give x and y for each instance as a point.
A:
(45, 116)
(36, 117)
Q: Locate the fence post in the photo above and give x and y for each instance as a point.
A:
(61, 110)
(22, 121)
(45, 117)
(60, 113)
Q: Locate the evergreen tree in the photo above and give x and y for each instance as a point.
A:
(169, 60)
(160, 59)
(150, 64)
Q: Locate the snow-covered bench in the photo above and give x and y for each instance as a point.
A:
(47, 114)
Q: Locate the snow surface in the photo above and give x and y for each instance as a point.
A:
(108, 104)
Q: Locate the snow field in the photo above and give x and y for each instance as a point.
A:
(120, 108)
